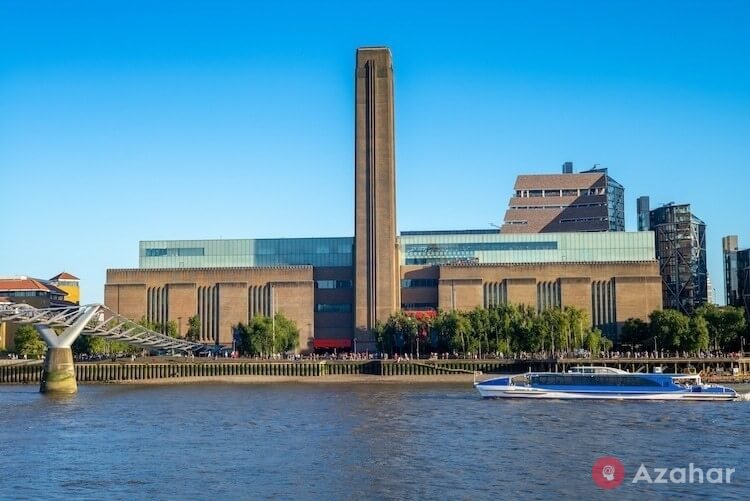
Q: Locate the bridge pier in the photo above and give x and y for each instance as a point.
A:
(59, 374)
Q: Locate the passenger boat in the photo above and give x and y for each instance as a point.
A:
(603, 383)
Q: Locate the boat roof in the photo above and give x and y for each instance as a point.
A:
(632, 374)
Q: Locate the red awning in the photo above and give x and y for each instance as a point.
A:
(332, 343)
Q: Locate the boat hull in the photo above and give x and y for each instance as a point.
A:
(528, 392)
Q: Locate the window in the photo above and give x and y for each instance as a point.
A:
(590, 380)
(190, 251)
(333, 308)
(179, 251)
(333, 284)
(411, 283)
(419, 306)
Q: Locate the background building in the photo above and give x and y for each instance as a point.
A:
(336, 289)
(549, 203)
(736, 273)
(681, 251)
(32, 291)
(644, 213)
(70, 284)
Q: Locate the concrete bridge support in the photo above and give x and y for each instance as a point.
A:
(59, 375)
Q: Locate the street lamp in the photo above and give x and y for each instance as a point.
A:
(273, 319)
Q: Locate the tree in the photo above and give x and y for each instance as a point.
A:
(576, 323)
(670, 329)
(145, 322)
(697, 339)
(170, 329)
(287, 334)
(479, 319)
(634, 332)
(726, 325)
(28, 342)
(194, 328)
(266, 335)
(593, 341)
(401, 329)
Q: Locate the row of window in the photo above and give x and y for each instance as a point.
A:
(457, 248)
(333, 308)
(598, 380)
(419, 306)
(411, 283)
(333, 284)
(441, 260)
(560, 193)
(532, 207)
(582, 219)
(24, 293)
(177, 251)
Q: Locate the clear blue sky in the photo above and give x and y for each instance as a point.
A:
(130, 120)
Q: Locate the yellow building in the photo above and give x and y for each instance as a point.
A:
(2, 336)
(69, 284)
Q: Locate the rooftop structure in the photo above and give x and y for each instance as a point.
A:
(568, 202)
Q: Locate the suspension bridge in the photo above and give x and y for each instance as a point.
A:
(93, 320)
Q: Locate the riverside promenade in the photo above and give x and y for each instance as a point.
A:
(164, 369)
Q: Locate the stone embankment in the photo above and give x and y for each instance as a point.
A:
(192, 370)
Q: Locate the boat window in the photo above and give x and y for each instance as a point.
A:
(590, 380)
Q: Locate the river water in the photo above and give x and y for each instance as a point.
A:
(352, 441)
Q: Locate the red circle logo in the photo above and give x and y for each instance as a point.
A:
(608, 472)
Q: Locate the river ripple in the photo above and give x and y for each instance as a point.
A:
(351, 442)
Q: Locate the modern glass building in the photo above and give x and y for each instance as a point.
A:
(489, 246)
(245, 252)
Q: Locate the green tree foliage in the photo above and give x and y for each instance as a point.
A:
(28, 342)
(635, 332)
(697, 339)
(398, 334)
(710, 327)
(266, 335)
(498, 329)
(194, 328)
(96, 345)
(170, 329)
(145, 322)
(670, 329)
(593, 341)
(726, 325)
